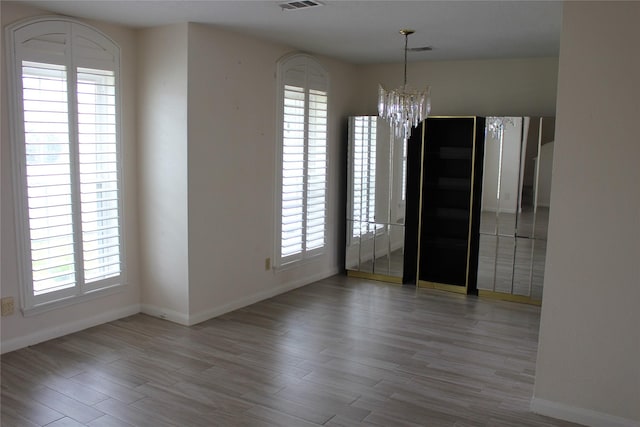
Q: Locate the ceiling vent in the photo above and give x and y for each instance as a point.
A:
(296, 5)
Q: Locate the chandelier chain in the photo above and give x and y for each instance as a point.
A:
(406, 48)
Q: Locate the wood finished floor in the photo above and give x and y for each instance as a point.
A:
(339, 352)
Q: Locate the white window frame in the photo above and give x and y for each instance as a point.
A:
(80, 49)
(304, 72)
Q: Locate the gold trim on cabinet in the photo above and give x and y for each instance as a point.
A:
(443, 287)
(508, 297)
(374, 276)
(424, 126)
(473, 171)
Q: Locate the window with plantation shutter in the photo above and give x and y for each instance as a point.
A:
(67, 161)
(301, 224)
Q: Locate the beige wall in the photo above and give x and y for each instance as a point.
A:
(208, 155)
(17, 330)
(513, 87)
(162, 101)
(232, 173)
(588, 366)
(231, 166)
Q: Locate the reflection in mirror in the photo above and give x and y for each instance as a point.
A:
(352, 247)
(515, 205)
(504, 264)
(375, 199)
(487, 260)
(522, 266)
(537, 273)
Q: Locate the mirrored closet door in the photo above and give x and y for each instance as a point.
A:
(376, 175)
(515, 207)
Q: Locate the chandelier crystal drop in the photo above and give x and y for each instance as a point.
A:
(495, 125)
(404, 107)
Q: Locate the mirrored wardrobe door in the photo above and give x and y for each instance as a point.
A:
(375, 202)
(542, 203)
(515, 207)
(509, 173)
(360, 213)
(487, 261)
(497, 220)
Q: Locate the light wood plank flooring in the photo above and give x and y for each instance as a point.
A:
(339, 352)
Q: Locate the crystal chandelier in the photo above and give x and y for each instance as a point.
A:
(495, 126)
(404, 107)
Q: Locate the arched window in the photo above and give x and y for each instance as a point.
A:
(301, 229)
(64, 80)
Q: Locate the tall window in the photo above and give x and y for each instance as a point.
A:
(67, 160)
(301, 227)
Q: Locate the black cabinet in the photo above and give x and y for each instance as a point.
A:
(444, 176)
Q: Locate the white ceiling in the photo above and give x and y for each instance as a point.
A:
(357, 31)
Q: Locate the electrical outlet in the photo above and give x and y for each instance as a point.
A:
(267, 263)
(7, 306)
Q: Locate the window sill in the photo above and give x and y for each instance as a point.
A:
(297, 263)
(72, 300)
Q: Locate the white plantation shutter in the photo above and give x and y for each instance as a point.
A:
(99, 195)
(316, 170)
(48, 174)
(67, 174)
(293, 179)
(303, 180)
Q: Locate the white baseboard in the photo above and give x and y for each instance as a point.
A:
(582, 416)
(67, 328)
(171, 315)
(252, 299)
(165, 313)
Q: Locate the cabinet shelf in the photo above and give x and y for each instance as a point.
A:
(451, 153)
(447, 243)
(449, 184)
(436, 169)
(447, 213)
